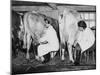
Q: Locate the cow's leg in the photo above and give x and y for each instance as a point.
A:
(62, 51)
(28, 46)
(63, 57)
(70, 52)
(25, 36)
(52, 54)
(62, 46)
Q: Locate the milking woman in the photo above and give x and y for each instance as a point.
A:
(85, 40)
(48, 42)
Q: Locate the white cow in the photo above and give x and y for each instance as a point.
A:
(68, 29)
(33, 26)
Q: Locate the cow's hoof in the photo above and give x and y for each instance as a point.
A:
(71, 62)
(76, 63)
(62, 58)
(24, 46)
(27, 58)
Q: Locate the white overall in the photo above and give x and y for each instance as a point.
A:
(86, 39)
(53, 44)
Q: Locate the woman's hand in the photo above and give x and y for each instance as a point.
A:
(44, 42)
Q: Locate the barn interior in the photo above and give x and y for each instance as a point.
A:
(20, 65)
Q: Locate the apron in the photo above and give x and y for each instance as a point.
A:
(50, 40)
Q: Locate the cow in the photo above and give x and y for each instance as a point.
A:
(16, 29)
(34, 23)
(68, 29)
(33, 27)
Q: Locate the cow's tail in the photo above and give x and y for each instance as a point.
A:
(26, 29)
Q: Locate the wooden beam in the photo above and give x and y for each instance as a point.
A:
(47, 8)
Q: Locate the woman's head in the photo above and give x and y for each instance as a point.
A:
(82, 25)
